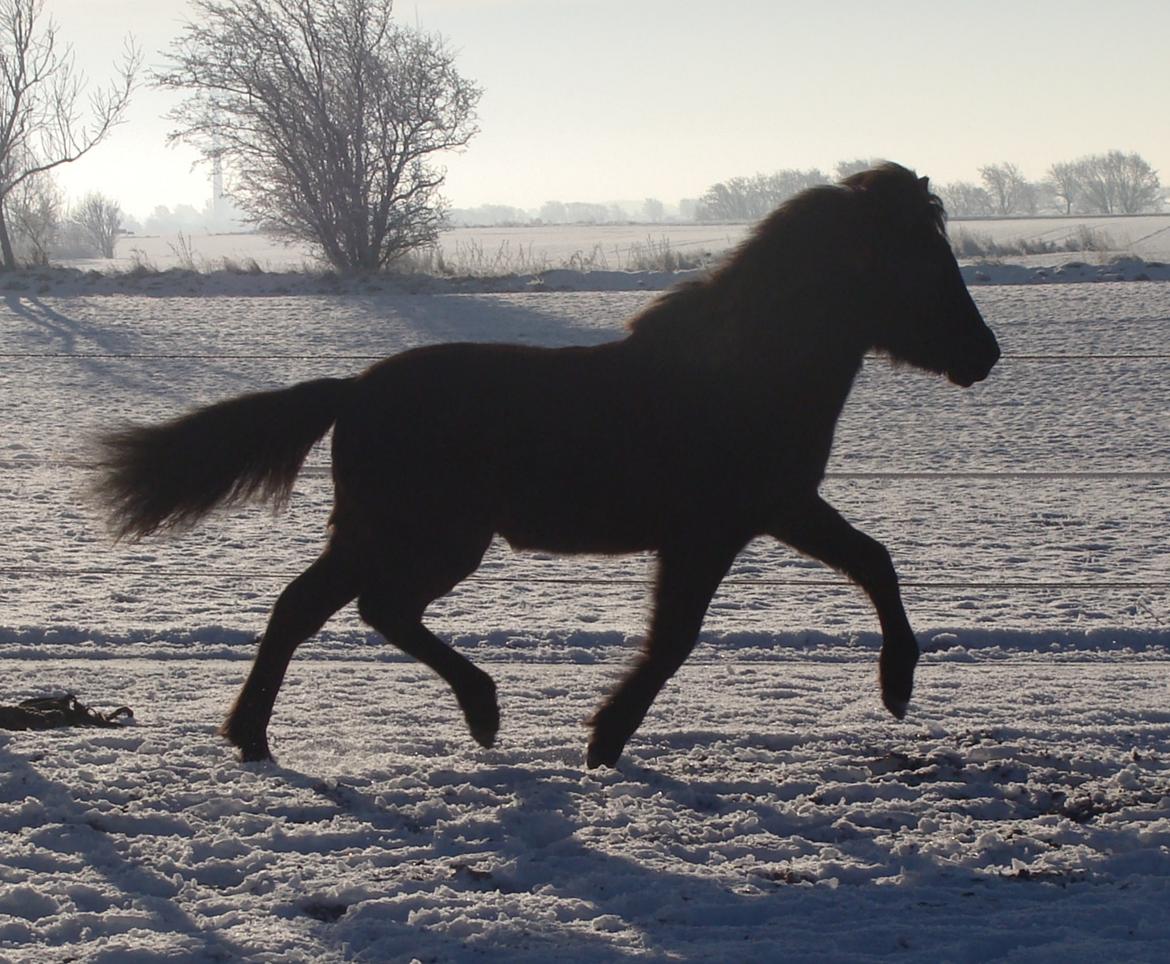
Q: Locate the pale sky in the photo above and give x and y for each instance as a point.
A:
(603, 100)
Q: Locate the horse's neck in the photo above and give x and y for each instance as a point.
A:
(800, 366)
(819, 358)
(808, 387)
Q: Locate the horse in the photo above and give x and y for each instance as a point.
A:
(708, 424)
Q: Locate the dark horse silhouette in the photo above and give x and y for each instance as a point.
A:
(709, 424)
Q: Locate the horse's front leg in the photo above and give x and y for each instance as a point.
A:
(816, 529)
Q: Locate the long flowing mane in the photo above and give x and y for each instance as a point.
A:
(794, 246)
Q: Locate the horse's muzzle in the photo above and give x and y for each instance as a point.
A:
(979, 365)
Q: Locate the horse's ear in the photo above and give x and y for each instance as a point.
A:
(924, 182)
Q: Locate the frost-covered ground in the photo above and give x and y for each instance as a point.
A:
(767, 809)
(496, 250)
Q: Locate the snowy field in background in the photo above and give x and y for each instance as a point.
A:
(611, 246)
(767, 808)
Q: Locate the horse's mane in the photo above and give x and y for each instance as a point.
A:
(792, 244)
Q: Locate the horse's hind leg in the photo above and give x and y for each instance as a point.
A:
(687, 579)
(402, 625)
(302, 609)
(818, 530)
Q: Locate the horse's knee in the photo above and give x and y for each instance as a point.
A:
(873, 566)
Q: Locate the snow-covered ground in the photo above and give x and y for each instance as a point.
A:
(767, 809)
(496, 250)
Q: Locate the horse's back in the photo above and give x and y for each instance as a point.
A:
(504, 436)
(464, 404)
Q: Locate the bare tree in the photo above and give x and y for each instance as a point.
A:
(42, 101)
(585, 212)
(553, 212)
(1065, 180)
(726, 201)
(326, 115)
(1118, 183)
(101, 220)
(34, 214)
(751, 198)
(1009, 190)
(963, 199)
(1111, 183)
(843, 169)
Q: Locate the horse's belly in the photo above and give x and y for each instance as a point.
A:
(575, 543)
(576, 528)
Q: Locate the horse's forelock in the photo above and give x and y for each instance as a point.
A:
(900, 192)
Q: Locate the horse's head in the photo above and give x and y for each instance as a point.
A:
(917, 306)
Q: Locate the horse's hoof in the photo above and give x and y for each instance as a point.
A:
(251, 750)
(597, 756)
(482, 714)
(256, 755)
(896, 706)
(483, 722)
(485, 736)
(896, 680)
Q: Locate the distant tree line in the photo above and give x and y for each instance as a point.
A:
(648, 211)
(751, 198)
(40, 226)
(1110, 183)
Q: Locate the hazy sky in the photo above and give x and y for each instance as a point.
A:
(599, 100)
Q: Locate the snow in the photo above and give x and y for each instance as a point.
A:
(612, 247)
(760, 815)
(768, 808)
(185, 282)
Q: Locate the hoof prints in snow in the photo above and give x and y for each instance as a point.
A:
(324, 911)
(1005, 814)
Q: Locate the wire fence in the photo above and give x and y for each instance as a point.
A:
(322, 357)
(942, 475)
(1063, 585)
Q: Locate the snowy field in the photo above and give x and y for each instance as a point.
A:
(487, 250)
(768, 808)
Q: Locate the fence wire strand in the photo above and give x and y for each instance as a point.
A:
(266, 356)
(809, 582)
(943, 475)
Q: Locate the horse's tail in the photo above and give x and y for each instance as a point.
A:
(171, 475)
